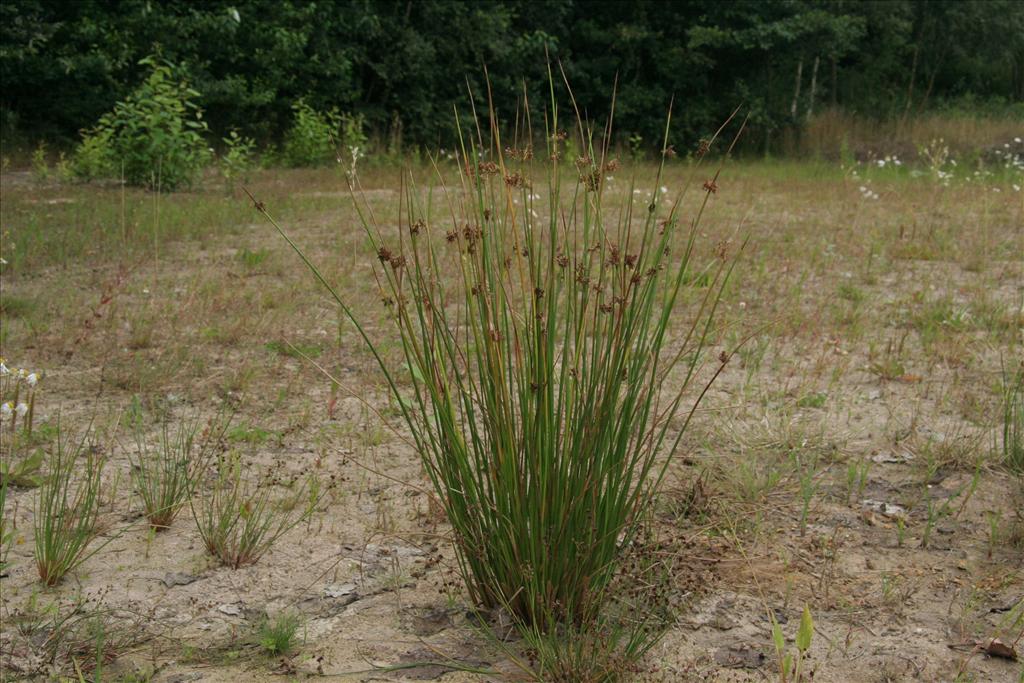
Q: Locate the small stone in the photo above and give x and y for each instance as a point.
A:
(887, 509)
(231, 609)
(178, 579)
(884, 458)
(339, 590)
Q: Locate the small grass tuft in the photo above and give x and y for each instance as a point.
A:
(163, 476)
(238, 521)
(1013, 420)
(66, 513)
(278, 635)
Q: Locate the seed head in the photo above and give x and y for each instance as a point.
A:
(515, 180)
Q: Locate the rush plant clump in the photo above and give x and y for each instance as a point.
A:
(66, 512)
(164, 476)
(548, 382)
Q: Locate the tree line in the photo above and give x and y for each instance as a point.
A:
(400, 65)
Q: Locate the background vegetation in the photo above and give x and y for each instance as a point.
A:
(399, 65)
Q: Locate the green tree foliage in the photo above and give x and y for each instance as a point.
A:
(154, 137)
(400, 63)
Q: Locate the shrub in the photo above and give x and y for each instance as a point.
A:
(154, 137)
(237, 161)
(312, 137)
(94, 156)
(535, 340)
(40, 166)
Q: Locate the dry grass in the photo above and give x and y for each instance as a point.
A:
(828, 131)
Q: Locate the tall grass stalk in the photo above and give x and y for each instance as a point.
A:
(8, 522)
(546, 374)
(66, 512)
(1013, 420)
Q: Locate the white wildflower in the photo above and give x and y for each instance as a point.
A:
(32, 379)
(6, 410)
(21, 409)
(4, 370)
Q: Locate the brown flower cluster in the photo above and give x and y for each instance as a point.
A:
(523, 154)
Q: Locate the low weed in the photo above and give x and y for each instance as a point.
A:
(278, 635)
(791, 668)
(252, 259)
(889, 364)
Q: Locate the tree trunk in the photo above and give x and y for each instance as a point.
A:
(814, 88)
(796, 91)
(835, 83)
(913, 77)
(931, 80)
